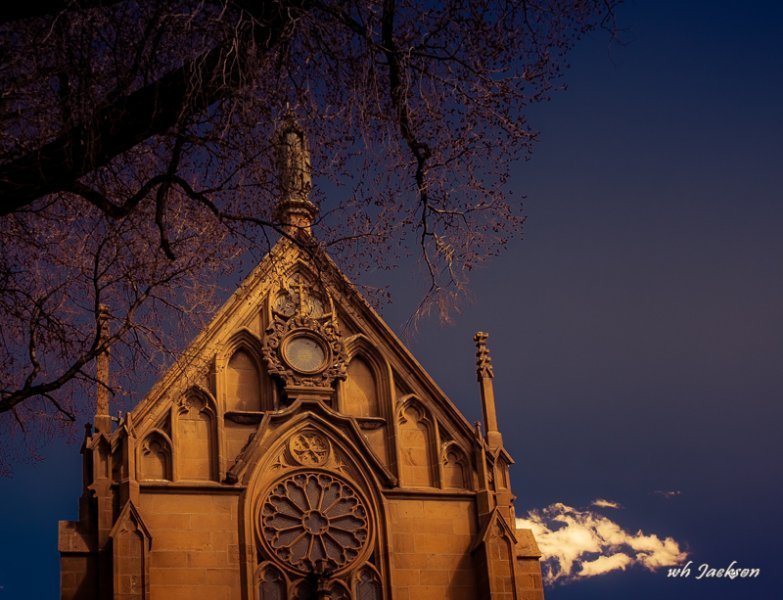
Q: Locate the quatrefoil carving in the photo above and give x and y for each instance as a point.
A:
(309, 449)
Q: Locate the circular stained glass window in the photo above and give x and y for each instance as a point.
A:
(305, 354)
(314, 522)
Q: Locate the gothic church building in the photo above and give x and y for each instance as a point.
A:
(301, 452)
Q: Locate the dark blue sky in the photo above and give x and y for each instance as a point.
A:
(636, 330)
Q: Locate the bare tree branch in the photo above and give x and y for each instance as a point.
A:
(125, 122)
(136, 159)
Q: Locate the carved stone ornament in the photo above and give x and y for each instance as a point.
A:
(300, 296)
(309, 448)
(314, 522)
(483, 359)
(305, 352)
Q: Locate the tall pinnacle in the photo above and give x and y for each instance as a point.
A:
(102, 417)
(485, 375)
(294, 211)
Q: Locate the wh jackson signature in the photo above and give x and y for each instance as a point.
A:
(706, 571)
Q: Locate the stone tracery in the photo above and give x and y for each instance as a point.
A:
(314, 522)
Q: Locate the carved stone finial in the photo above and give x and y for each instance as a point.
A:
(483, 359)
(295, 211)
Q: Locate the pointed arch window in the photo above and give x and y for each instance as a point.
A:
(155, 457)
(455, 467)
(196, 443)
(416, 431)
(243, 383)
(361, 390)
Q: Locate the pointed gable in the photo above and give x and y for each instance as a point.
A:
(241, 358)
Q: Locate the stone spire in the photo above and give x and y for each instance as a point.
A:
(485, 376)
(102, 417)
(294, 211)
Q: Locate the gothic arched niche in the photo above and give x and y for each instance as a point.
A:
(130, 546)
(455, 467)
(360, 397)
(500, 547)
(271, 583)
(338, 591)
(366, 395)
(155, 457)
(129, 555)
(195, 438)
(243, 382)
(367, 584)
(417, 467)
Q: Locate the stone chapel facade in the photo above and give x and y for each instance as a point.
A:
(301, 452)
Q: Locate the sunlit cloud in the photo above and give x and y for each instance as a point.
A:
(668, 494)
(604, 564)
(604, 503)
(576, 544)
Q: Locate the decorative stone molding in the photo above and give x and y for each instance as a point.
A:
(303, 345)
(305, 352)
(299, 295)
(194, 401)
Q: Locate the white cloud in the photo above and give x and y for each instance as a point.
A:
(604, 564)
(668, 494)
(581, 543)
(604, 503)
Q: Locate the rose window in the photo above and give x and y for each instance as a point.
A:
(314, 522)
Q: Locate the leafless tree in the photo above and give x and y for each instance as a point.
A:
(135, 158)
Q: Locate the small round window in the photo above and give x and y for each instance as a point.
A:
(304, 353)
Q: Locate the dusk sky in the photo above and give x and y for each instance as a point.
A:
(636, 329)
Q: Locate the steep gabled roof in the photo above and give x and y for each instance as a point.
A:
(302, 250)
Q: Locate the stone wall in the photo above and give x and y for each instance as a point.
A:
(195, 553)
